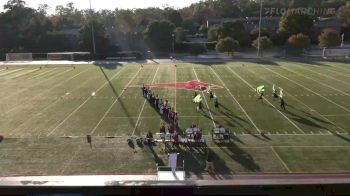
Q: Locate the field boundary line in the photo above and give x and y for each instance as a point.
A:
(86, 100)
(47, 91)
(323, 84)
(143, 106)
(278, 156)
(340, 106)
(205, 99)
(234, 98)
(303, 103)
(115, 101)
(297, 127)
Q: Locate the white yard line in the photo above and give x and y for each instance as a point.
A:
(43, 73)
(115, 101)
(279, 158)
(299, 129)
(323, 84)
(335, 114)
(205, 99)
(346, 109)
(9, 72)
(143, 105)
(83, 103)
(22, 74)
(325, 75)
(304, 104)
(49, 106)
(46, 91)
(339, 73)
(234, 98)
(42, 81)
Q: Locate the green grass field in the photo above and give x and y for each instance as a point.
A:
(39, 108)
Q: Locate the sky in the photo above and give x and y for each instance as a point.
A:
(107, 4)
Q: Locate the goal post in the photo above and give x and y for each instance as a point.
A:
(19, 56)
(67, 56)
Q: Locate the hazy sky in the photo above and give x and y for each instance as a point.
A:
(107, 4)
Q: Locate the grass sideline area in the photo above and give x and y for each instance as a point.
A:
(41, 108)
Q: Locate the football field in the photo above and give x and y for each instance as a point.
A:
(47, 112)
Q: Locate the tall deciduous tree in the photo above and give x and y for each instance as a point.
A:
(158, 35)
(265, 43)
(329, 38)
(101, 39)
(228, 45)
(297, 43)
(294, 22)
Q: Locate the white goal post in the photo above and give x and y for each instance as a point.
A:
(19, 56)
(68, 56)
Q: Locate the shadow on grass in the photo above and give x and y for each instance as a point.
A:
(117, 95)
(239, 155)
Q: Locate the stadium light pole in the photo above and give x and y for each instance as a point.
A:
(92, 30)
(173, 35)
(259, 28)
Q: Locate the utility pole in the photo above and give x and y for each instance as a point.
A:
(259, 49)
(92, 31)
(173, 35)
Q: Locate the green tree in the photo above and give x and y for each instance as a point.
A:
(101, 39)
(180, 35)
(213, 33)
(236, 30)
(293, 23)
(197, 49)
(265, 43)
(344, 14)
(329, 38)
(255, 33)
(158, 35)
(297, 43)
(203, 29)
(228, 45)
(173, 16)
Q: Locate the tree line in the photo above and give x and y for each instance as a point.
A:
(25, 29)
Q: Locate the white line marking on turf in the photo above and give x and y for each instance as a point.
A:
(323, 84)
(311, 109)
(42, 81)
(144, 103)
(82, 104)
(43, 73)
(22, 74)
(115, 101)
(234, 98)
(309, 90)
(46, 91)
(267, 100)
(49, 106)
(302, 67)
(205, 100)
(284, 164)
(339, 73)
(9, 72)
(335, 115)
